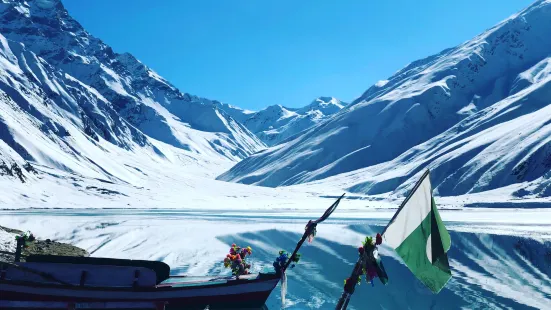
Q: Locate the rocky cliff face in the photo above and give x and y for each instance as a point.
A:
(51, 64)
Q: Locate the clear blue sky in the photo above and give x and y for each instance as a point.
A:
(254, 53)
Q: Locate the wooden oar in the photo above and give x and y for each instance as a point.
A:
(310, 227)
(308, 231)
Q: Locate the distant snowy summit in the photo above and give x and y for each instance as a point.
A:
(478, 115)
(277, 123)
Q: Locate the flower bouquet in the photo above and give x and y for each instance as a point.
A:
(236, 260)
(281, 260)
(370, 264)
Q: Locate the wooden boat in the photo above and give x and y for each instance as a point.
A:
(83, 282)
(64, 282)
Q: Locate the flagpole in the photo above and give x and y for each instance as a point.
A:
(425, 174)
(349, 288)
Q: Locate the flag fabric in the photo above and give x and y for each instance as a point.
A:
(418, 235)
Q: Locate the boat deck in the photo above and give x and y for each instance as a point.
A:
(184, 281)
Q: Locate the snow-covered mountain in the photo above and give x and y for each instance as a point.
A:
(58, 82)
(479, 115)
(277, 123)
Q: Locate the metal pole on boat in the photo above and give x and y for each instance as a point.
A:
(350, 287)
(18, 249)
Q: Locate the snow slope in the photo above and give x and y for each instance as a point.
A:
(48, 117)
(113, 96)
(276, 123)
(7, 244)
(479, 115)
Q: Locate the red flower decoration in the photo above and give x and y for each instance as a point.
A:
(378, 239)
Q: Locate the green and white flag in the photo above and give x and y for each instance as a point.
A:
(418, 235)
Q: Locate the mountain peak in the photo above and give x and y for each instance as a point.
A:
(276, 123)
(325, 105)
(328, 100)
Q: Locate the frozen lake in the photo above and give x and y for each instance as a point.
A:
(500, 259)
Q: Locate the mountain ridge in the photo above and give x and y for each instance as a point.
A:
(420, 102)
(276, 123)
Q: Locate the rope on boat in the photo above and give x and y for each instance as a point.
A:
(283, 288)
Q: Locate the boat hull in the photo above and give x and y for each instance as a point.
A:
(234, 294)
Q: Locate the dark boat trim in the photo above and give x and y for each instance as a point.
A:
(246, 294)
(164, 287)
(162, 270)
